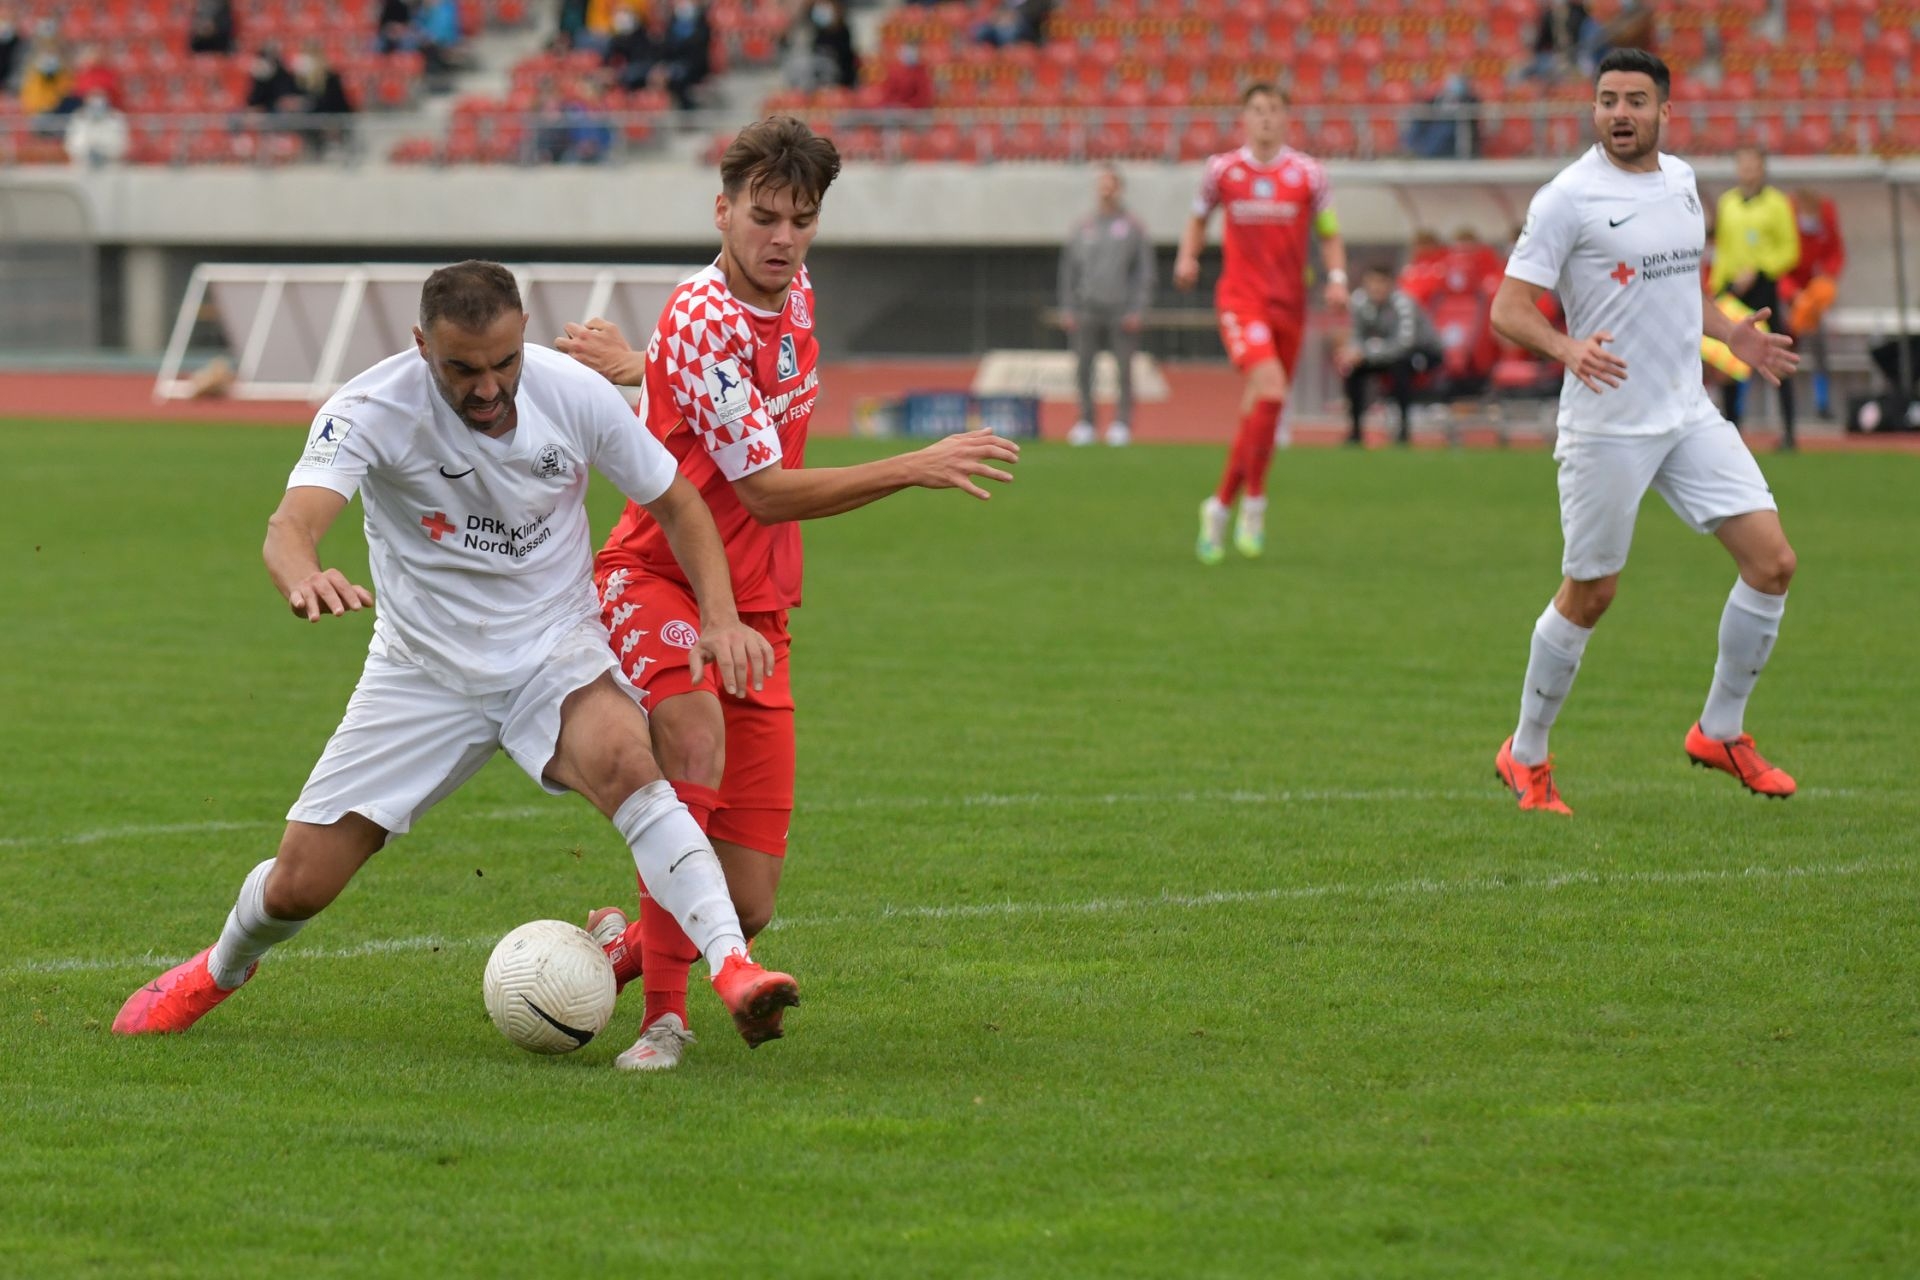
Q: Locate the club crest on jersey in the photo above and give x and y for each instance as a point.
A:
(789, 360)
(680, 634)
(797, 310)
(323, 442)
(549, 463)
(727, 389)
(1264, 189)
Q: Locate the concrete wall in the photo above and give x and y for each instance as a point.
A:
(912, 259)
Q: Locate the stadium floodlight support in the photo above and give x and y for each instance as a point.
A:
(298, 331)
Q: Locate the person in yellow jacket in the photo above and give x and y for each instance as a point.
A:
(1755, 244)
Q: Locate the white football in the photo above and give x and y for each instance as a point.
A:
(549, 987)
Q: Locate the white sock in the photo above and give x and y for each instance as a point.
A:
(249, 931)
(1217, 513)
(1253, 508)
(679, 868)
(1555, 657)
(1748, 626)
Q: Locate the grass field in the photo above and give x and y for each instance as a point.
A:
(1152, 920)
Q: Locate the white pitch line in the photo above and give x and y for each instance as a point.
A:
(989, 800)
(1087, 906)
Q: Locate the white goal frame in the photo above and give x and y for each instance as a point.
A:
(298, 331)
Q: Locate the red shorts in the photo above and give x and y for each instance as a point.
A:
(653, 623)
(1255, 332)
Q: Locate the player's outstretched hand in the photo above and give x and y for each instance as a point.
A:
(1770, 353)
(599, 345)
(955, 461)
(327, 591)
(742, 654)
(1186, 272)
(1595, 366)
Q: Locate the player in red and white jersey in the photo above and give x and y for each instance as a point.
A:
(1619, 236)
(729, 386)
(1274, 199)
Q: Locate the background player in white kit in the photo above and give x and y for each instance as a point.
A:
(471, 456)
(1618, 235)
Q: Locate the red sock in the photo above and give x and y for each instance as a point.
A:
(1257, 431)
(1232, 474)
(666, 953)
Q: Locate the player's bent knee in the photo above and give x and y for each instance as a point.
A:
(1588, 602)
(694, 752)
(1775, 571)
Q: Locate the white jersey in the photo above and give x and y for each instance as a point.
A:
(1622, 251)
(479, 546)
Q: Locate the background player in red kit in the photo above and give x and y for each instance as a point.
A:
(1273, 196)
(729, 386)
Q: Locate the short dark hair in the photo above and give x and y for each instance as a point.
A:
(1267, 87)
(1642, 62)
(780, 153)
(1377, 269)
(470, 295)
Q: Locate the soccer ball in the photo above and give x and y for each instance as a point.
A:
(549, 987)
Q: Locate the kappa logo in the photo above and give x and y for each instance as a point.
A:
(789, 359)
(727, 389)
(798, 311)
(680, 634)
(549, 463)
(1691, 201)
(758, 454)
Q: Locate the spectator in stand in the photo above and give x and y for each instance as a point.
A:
(907, 84)
(9, 45)
(394, 30)
(210, 30)
(631, 52)
(1392, 338)
(570, 132)
(1811, 287)
(1630, 28)
(437, 35)
(686, 52)
(47, 88)
(92, 75)
(1016, 22)
(1756, 245)
(322, 93)
(571, 23)
(1559, 40)
(271, 87)
(1106, 284)
(1451, 128)
(820, 48)
(96, 133)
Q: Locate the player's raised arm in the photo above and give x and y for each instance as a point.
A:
(292, 553)
(775, 494)
(742, 654)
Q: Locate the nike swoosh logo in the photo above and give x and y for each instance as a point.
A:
(1614, 222)
(683, 857)
(572, 1033)
(455, 475)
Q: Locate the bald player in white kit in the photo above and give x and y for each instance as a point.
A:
(470, 453)
(1618, 236)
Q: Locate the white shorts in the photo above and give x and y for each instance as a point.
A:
(407, 741)
(1705, 472)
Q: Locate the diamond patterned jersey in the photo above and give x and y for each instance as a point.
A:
(729, 390)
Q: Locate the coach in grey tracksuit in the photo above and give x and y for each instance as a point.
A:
(1392, 338)
(1106, 282)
